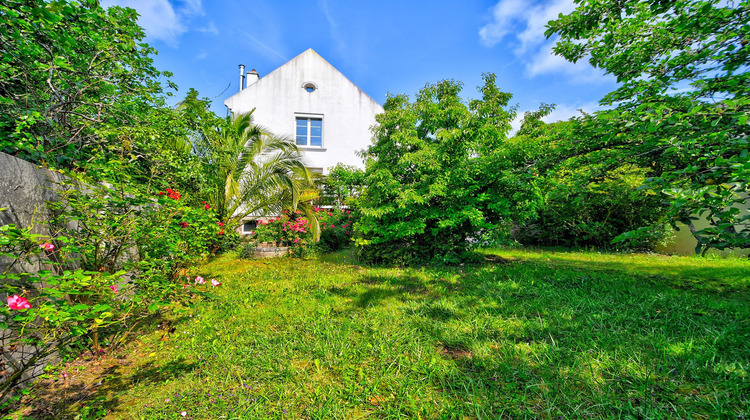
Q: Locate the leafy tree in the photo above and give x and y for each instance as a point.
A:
(343, 183)
(71, 76)
(683, 102)
(439, 175)
(589, 196)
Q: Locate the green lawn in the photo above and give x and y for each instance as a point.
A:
(534, 334)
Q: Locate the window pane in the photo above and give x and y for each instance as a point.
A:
(316, 141)
(316, 131)
(316, 123)
(301, 131)
(301, 141)
(301, 122)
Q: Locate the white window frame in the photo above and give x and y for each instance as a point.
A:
(309, 117)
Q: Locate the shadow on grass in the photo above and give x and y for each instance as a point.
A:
(545, 337)
(93, 383)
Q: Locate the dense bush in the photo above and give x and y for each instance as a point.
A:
(587, 209)
(440, 173)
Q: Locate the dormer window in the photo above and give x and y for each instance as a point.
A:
(309, 87)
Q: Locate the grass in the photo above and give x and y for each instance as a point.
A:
(528, 334)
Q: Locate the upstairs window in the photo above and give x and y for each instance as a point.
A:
(309, 131)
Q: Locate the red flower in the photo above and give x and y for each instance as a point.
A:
(220, 224)
(173, 194)
(207, 207)
(184, 224)
(221, 231)
(17, 303)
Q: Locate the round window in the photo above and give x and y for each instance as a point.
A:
(309, 87)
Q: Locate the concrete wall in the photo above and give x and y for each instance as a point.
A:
(347, 112)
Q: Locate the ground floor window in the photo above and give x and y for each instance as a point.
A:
(249, 226)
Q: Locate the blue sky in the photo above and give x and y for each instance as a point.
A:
(386, 46)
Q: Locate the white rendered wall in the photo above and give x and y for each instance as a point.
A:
(347, 112)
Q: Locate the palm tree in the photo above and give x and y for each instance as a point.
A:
(252, 172)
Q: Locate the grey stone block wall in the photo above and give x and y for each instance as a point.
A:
(24, 191)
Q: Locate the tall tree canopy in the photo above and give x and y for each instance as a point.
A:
(72, 75)
(683, 101)
(440, 174)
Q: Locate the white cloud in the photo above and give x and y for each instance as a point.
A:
(160, 19)
(525, 23)
(544, 61)
(504, 15)
(210, 29)
(536, 21)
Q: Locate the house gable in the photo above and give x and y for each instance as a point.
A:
(310, 100)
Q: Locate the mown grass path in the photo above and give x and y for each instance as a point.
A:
(528, 334)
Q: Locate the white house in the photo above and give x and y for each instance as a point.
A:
(309, 100)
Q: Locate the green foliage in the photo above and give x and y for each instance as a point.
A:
(342, 185)
(590, 196)
(71, 77)
(116, 253)
(440, 174)
(683, 102)
(337, 226)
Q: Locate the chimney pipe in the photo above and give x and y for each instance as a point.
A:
(242, 77)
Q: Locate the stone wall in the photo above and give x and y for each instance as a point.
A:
(24, 191)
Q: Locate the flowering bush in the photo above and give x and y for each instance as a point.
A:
(122, 258)
(336, 226)
(290, 229)
(293, 230)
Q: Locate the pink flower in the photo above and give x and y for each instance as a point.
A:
(330, 214)
(114, 288)
(200, 280)
(17, 303)
(252, 232)
(215, 283)
(296, 240)
(332, 225)
(47, 246)
(347, 212)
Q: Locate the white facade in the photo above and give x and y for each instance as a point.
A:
(307, 99)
